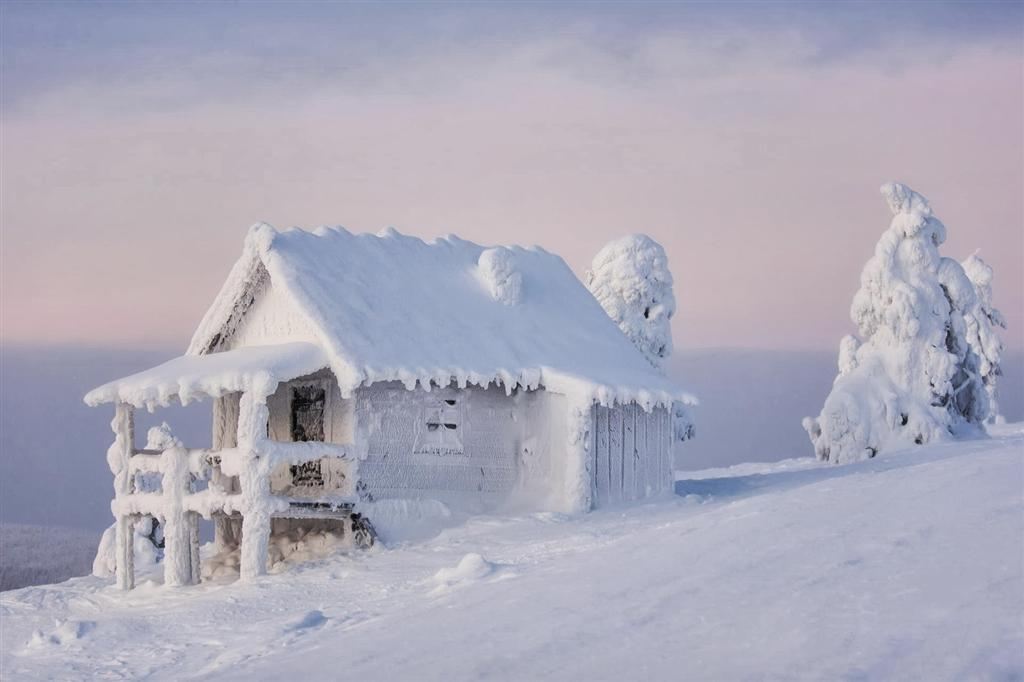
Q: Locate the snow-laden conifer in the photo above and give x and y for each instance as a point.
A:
(630, 278)
(913, 377)
(983, 321)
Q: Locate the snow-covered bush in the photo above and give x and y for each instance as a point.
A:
(149, 532)
(915, 377)
(630, 278)
(147, 554)
(983, 319)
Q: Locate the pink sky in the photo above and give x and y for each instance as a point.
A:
(758, 172)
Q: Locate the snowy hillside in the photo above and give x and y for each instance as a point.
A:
(905, 566)
(34, 555)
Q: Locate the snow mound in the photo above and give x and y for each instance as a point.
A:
(402, 520)
(309, 620)
(147, 555)
(498, 271)
(470, 569)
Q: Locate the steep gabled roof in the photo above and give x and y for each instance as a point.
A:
(393, 307)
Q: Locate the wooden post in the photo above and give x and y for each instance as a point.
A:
(178, 568)
(193, 541)
(118, 458)
(255, 484)
(225, 436)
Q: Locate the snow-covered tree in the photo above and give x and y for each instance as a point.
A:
(914, 377)
(983, 319)
(630, 278)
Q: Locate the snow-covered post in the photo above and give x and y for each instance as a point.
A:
(254, 478)
(579, 473)
(118, 456)
(178, 569)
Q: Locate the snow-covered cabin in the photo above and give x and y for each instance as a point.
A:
(353, 373)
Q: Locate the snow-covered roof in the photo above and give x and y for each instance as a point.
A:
(255, 368)
(392, 307)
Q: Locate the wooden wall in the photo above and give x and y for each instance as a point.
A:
(471, 467)
(631, 454)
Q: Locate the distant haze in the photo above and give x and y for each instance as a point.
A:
(141, 140)
(751, 406)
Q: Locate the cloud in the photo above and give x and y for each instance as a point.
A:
(753, 159)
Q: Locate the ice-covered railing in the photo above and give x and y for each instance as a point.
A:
(166, 481)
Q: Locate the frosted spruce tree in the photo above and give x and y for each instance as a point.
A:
(913, 378)
(631, 280)
(983, 319)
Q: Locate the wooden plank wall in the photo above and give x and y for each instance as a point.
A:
(632, 457)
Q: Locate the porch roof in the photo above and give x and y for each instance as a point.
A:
(193, 377)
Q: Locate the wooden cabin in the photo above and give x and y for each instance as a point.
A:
(352, 372)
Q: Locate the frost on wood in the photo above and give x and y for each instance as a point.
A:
(983, 320)
(914, 378)
(630, 278)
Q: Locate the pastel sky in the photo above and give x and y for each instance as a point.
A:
(140, 141)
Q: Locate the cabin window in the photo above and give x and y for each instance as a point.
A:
(442, 434)
(308, 413)
(307, 424)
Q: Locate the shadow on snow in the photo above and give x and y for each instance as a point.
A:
(745, 485)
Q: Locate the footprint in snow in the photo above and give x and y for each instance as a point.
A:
(64, 633)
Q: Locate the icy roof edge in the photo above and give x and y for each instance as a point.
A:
(256, 369)
(531, 379)
(189, 378)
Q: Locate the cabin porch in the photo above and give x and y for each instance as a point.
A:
(245, 482)
(232, 487)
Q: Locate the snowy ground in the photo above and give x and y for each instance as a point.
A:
(908, 566)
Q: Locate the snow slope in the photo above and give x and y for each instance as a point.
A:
(907, 566)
